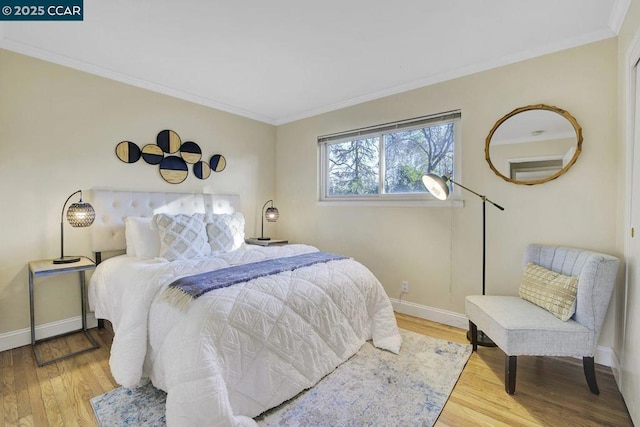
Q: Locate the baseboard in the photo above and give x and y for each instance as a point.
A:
(616, 368)
(22, 337)
(604, 355)
(431, 313)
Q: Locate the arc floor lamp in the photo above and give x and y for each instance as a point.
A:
(437, 186)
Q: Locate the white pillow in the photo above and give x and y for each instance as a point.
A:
(143, 241)
(181, 236)
(128, 238)
(225, 232)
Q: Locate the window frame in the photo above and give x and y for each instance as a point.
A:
(382, 198)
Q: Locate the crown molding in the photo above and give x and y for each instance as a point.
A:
(618, 13)
(616, 19)
(457, 73)
(123, 78)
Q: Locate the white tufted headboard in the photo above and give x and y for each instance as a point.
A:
(112, 207)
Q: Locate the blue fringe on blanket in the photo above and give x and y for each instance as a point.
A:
(199, 284)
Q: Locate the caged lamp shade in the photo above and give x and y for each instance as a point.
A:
(271, 214)
(79, 214)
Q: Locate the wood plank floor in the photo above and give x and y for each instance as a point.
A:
(550, 391)
(57, 394)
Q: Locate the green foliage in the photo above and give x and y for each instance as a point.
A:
(354, 166)
(408, 180)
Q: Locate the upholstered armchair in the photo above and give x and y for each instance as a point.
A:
(520, 327)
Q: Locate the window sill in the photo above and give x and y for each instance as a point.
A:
(454, 203)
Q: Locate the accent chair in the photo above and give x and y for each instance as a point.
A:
(520, 327)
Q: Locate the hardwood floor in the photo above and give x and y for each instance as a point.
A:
(550, 391)
(57, 394)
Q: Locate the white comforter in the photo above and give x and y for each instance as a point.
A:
(235, 352)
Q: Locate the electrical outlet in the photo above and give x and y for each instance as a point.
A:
(405, 287)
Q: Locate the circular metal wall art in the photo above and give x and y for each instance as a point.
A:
(202, 170)
(190, 152)
(173, 169)
(172, 156)
(217, 163)
(128, 152)
(169, 141)
(152, 154)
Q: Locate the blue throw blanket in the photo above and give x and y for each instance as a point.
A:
(199, 284)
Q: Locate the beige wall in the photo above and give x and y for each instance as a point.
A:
(438, 250)
(54, 120)
(59, 128)
(58, 132)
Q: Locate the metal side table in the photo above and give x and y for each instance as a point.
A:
(46, 267)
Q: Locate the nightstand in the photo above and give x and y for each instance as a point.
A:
(46, 267)
(271, 242)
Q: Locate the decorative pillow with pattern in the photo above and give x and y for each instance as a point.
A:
(182, 236)
(552, 291)
(225, 232)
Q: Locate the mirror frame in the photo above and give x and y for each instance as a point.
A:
(560, 111)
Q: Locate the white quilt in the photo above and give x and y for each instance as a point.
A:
(235, 352)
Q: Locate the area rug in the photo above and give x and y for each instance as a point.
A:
(374, 387)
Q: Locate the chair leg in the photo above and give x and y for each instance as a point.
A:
(510, 364)
(590, 373)
(473, 330)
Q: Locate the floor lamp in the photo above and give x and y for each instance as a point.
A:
(437, 186)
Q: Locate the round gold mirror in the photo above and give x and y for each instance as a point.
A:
(533, 144)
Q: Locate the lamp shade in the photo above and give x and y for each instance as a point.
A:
(272, 214)
(436, 185)
(81, 214)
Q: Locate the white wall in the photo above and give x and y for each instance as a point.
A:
(627, 351)
(438, 250)
(58, 132)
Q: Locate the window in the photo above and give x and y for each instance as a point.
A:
(387, 162)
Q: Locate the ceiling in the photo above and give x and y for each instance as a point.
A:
(284, 60)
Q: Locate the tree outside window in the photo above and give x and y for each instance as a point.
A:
(389, 163)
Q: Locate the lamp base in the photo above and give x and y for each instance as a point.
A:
(483, 339)
(264, 238)
(66, 259)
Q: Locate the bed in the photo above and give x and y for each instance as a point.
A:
(226, 355)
